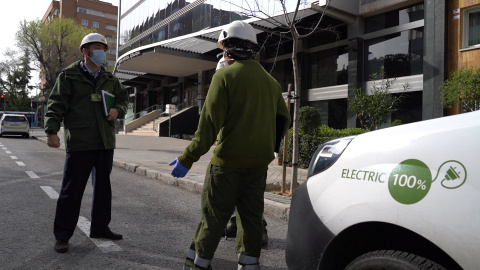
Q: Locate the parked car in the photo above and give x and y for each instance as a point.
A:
(405, 197)
(14, 124)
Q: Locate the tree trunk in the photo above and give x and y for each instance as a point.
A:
(296, 79)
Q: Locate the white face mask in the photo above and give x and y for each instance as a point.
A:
(222, 63)
(99, 57)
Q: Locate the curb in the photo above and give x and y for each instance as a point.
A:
(273, 203)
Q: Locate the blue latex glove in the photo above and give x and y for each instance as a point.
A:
(178, 170)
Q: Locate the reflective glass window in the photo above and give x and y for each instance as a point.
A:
(282, 71)
(471, 27)
(333, 113)
(394, 18)
(401, 54)
(328, 68)
(138, 17)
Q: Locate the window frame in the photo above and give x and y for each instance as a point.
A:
(95, 24)
(84, 22)
(466, 27)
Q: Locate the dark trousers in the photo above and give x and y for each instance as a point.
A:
(78, 167)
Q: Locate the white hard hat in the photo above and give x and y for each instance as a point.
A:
(92, 38)
(237, 29)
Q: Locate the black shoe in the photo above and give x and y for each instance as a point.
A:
(230, 231)
(61, 246)
(108, 235)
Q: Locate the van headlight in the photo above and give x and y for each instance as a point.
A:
(327, 154)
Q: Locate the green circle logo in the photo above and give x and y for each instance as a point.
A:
(410, 181)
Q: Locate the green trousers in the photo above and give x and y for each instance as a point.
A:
(223, 190)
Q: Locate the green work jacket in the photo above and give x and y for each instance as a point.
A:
(71, 102)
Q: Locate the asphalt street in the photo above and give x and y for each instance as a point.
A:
(157, 220)
(149, 156)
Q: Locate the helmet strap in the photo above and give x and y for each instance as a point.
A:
(239, 53)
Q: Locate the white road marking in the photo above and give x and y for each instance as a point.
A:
(50, 192)
(19, 163)
(102, 244)
(4, 148)
(32, 174)
(8, 152)
(13, 157)
(84, 225)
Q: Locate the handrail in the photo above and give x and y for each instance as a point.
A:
(178, 108)
(142, 113)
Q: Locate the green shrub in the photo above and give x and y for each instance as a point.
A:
(397, 122)
(308, 119)
(308, 143)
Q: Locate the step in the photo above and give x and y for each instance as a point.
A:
(142, 133)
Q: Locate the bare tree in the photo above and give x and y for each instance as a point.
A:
(288, 23)
(53, 45)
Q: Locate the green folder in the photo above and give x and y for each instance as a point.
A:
(108, 102)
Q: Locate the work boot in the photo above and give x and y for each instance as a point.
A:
(61, 246)
(107, 235)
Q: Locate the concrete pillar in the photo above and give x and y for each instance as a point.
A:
(434, 57)
(356, 58)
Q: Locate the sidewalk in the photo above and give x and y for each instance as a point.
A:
(149, 156)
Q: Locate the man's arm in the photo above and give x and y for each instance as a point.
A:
(57, 105)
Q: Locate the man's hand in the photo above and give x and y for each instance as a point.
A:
(53, 141)
(112, 114)
(178, 171)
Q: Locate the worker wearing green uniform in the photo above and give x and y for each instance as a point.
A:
(241, 112)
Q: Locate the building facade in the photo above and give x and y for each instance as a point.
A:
(167, 52)
(90, 13)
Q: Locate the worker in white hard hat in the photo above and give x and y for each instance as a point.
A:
(240, 112)
(76, 100)
(231, 229)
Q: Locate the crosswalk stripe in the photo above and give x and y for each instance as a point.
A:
(103, 245)
(32, 174)
(50, 192)
(84, 225)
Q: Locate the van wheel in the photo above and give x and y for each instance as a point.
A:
(26, 135)
(392, 260)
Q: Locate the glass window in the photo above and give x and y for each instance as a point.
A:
(471, 27)
(82, 10)
(85, 22)
(282, 71)
(96, 24)
(401, 54)
(327, 36)
(15, 119)
(328, 68)
(333, 113)
(394, 18)
(410, 109)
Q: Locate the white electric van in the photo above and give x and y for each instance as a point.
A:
(405, 197)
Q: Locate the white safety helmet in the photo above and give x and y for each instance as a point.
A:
(237, 29)
(92, 38)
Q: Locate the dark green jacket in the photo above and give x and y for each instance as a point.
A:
(240, 112)
(85, 126)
